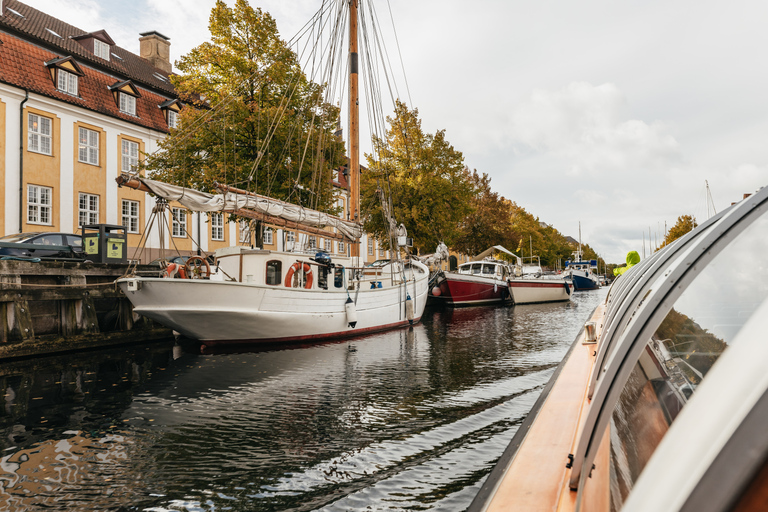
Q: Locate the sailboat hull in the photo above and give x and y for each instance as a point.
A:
(218, 312)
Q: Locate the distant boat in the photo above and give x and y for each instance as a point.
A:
(488, 280)
(582, 273)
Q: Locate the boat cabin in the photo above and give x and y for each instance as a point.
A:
(312, 271)
(493, 268)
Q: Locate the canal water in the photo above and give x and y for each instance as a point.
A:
(412, 419)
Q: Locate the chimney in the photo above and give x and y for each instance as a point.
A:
(156, 48)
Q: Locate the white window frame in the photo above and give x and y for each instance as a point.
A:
(178, 222)
(268, 236)
(342, 247)
(88, 146)
(173, 118)
(130, 214)
(370, 247)
(312, 242)
(217, 227)
(101, 49)
(87, 209)
(66, 81)
(130, 155)
(39, 205)
(40, 134)
(127, 103)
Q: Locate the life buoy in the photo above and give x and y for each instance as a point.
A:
(174, 269)
(307, 274)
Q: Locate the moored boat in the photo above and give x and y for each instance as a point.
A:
(258, 296)
(490, 280)
(660, 404)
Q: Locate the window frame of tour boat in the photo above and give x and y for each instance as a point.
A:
(638, 278)
(717, 454)
(689, 259)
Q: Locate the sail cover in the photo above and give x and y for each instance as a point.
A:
(230, 201)
(493, 249)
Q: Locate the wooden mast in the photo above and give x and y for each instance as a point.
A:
(354, 128)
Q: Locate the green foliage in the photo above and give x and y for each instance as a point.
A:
(489, 222)
(255, 115)
(430, 187)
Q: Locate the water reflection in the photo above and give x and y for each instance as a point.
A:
(409, 419)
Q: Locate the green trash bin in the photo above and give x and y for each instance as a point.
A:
(105, 243)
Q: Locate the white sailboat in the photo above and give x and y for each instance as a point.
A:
(259, 296)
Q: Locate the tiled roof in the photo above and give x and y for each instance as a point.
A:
(22, 64)
(32, 25)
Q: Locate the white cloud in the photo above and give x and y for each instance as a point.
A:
(586, 126)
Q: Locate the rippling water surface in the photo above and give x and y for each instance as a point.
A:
(406, 420)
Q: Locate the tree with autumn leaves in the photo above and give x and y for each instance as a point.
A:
(256, 121)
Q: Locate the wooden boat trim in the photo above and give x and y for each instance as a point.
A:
(516, 481)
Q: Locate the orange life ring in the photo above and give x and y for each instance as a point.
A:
(307, 275)
(173, 269)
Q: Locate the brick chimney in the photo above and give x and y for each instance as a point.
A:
(156, 48)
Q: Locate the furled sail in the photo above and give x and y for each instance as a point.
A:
(230, 201)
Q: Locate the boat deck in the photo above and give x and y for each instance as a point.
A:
(536, 476)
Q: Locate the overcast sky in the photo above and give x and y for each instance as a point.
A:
(608, 113)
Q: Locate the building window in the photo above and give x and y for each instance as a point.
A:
(274, 272)
(217, 226)
(67, 82)
(290, 239)
(268, 236)
(101, 49)
(328, 245)
(342, 248)
(172, 118)
(127, 104)
(313, 242)
(179, 223)
(89, 146)
(130, 156)
(370, 247)
(39, 204)
(39, 134)
(131, 215)
(88, 209)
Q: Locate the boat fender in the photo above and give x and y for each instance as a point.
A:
(567, 288)
(436, 291)
(409, 309)
(495, 287)
(173, 270)
(351, 312)
(307, 274)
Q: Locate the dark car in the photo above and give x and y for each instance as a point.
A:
(43, 245)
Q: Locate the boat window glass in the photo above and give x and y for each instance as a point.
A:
(338, 277)
(274, 272)
(476, 268)
(489, 269)
(701, 324)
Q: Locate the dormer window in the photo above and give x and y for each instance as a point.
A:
(171, 109)
(101, 49)
(64, 73)
(125, 94)
(127, 104)
(97, 43)
(67, 82)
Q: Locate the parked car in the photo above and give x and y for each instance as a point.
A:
(47, 245)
